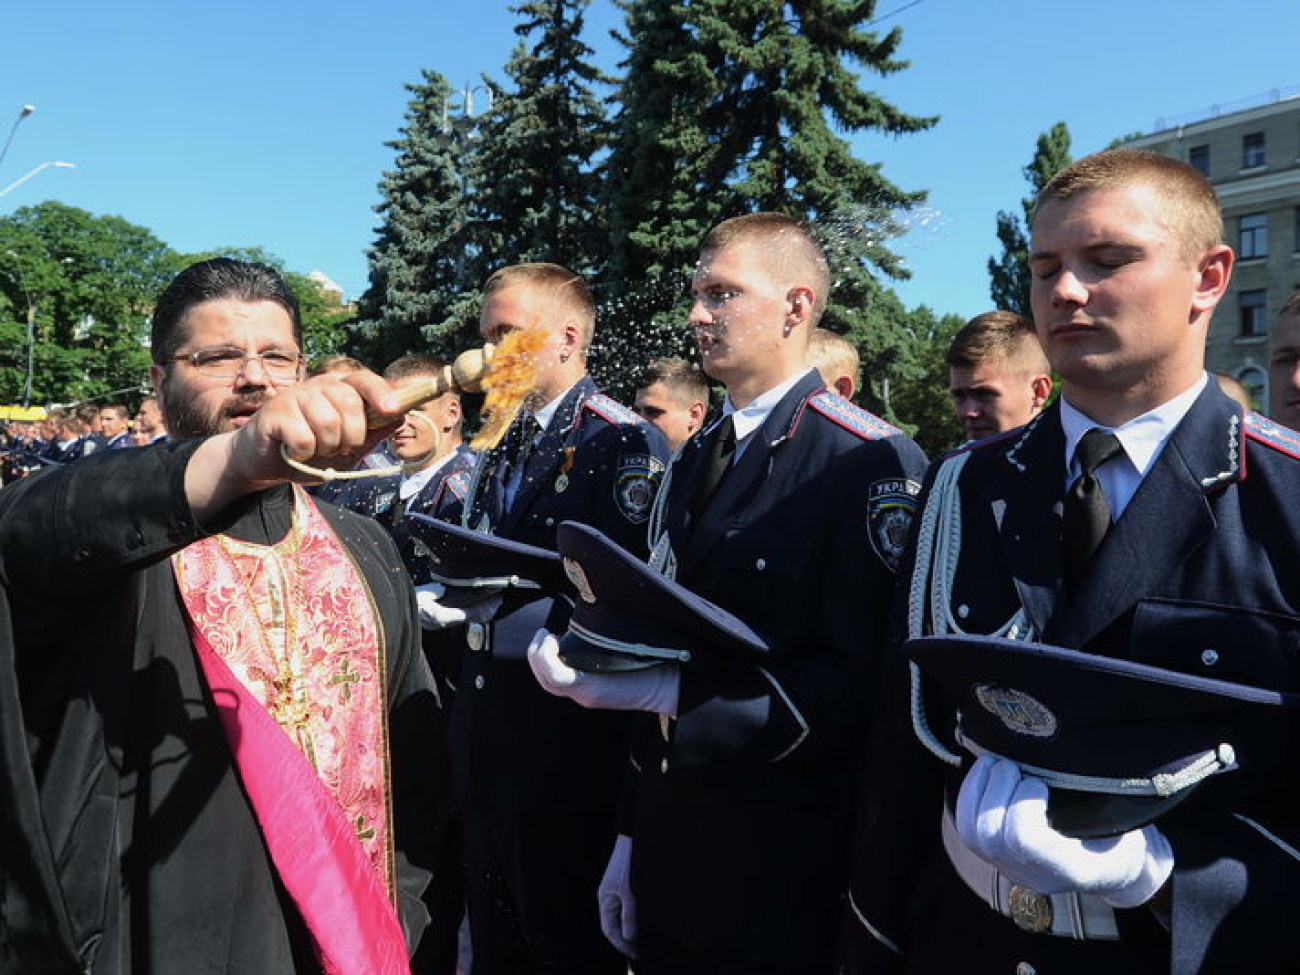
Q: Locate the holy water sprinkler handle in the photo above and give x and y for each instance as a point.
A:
(465, 375)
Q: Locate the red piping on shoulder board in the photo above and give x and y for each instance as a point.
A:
(843, 414)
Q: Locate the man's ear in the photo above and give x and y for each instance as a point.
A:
(696, 411)
(802, 301)
(570, 341)
(1215, 269)
(1042, 389)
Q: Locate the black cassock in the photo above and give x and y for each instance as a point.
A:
(129, 845)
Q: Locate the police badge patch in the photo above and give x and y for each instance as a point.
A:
(635, 483)
(890, 506)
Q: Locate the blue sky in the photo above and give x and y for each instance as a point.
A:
(263, 123)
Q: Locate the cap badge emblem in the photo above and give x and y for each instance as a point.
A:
(579, 579)
(1017, 710)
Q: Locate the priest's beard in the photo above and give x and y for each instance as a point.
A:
(186, 418)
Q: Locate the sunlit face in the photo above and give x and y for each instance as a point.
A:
(992, 397)
(422, 437)
(1113, 294)
(111, 423)
(196, 405)
(525, 306)
(1284, 373)
(148, 419)
(657, 406)
(739, 312)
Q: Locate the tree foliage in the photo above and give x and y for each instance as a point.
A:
(728, 108)
(418, 261)
(1009, 271)
(532, 172)
(88, 284)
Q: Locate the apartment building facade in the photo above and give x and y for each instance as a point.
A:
(1252, 156)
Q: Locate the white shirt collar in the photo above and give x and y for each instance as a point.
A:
(547, 412)
(413, 484)
(1142, 438)
(751, 417)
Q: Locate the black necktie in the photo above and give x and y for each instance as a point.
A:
(517, 453)
(1087, 513)
(719, 449)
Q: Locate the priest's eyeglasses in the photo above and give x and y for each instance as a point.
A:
(224, 362)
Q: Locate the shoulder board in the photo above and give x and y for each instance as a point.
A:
(1263, 430)
(610, 410)
(852, 418)
(457, 484)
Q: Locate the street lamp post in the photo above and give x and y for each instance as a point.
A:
(45, 165)
(22, 114)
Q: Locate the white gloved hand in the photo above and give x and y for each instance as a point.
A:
(435, 616)
(617, 906)
(654, 689)
(1002, 816)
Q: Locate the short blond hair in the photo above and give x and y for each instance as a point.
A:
(829, 351)
(787, 247)
(1191, 206)
(567, 290)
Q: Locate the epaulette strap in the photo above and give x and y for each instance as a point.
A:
(1265, 431)
(852, 418)
(611, 410)
(458, 484)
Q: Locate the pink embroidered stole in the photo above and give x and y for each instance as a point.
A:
(291, 647)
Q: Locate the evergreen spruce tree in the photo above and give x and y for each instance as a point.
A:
(417, 263)
(534, 189)
(768, 94)
(656, 213)
(1009, 272)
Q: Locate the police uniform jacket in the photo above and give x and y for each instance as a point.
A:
(742, 803)
(515, 747)
(1200, 574)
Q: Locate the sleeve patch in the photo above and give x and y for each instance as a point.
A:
(891, 504)
(636, 482)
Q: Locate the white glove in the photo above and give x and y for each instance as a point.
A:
(435, 616)
(617, 906)
(654, 689)
(1002, 816)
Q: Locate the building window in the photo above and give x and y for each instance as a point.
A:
(1199, 159)
(1251, 305)
(1252, 150)
(1253, 238)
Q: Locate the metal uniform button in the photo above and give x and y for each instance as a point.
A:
(550, 522)
(479, 682)
(963, 610)
(1209, 656)
(761, 564)
(1024, 968)
(663, 765)
(476, 636)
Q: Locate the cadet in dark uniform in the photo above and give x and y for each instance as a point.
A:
(434, 481)
(539, 778)
(1144, 518)
(735, 851)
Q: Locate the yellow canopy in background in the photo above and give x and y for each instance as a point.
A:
(27, 413)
